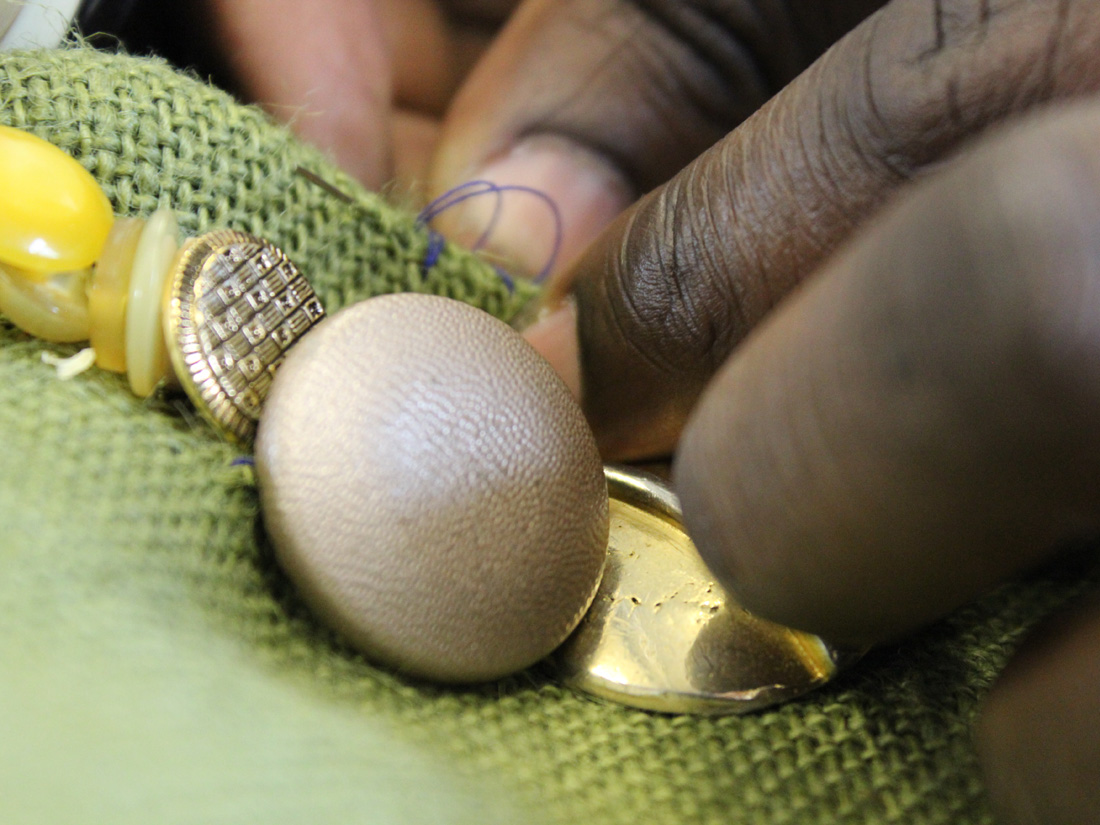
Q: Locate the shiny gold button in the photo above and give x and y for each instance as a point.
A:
(663, 635)
(234, 304)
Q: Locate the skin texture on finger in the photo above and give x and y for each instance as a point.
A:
(917, 424)
(322, 66)
(434, 44)
(1039, 731)
(355, 77)
(597, 101)
(668, 291)
(422, 53)
(416, 135)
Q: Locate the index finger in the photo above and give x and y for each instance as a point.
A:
(669, 290)
(324, 66)
(917, 424)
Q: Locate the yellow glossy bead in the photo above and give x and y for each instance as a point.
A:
(53, 310)
(53, 215)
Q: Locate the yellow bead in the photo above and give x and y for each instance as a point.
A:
(53, 310)
(53, 215)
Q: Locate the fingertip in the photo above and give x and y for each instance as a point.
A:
(324, 68)
(725, 521)
(554, 336)
(550, 198)
(1038, 734)
(353, 141)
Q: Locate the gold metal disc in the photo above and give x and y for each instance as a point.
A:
(663, 635)
(234, 305)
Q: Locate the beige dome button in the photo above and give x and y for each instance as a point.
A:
(432, 489)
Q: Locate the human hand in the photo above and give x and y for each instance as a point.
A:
(366, 80)
(916, 423)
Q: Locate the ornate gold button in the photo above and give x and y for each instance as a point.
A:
(233, 307)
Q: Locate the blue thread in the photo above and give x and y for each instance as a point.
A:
(243, 461)
(504, 276)
(435, 249)
(477, 189)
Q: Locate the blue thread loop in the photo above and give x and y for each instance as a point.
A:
(435, 249)
(478, 189)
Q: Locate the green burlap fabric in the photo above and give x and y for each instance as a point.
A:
(155, 667)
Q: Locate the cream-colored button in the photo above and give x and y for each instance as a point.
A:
(110, 292)
(146, 353)
(663, 635)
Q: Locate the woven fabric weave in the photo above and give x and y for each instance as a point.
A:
(156, 667)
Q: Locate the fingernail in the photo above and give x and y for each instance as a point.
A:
(519, 226)
(554, 335)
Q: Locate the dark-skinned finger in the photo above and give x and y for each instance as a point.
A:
(596, 101)
(1039, 731)
(665, 295)
(918, 423)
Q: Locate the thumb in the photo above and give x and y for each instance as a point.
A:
(594, 102)
(664, 295)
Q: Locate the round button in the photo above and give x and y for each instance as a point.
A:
(233, 306)
(664, 635)
(432, 488)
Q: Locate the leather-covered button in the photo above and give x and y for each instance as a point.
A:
(432, 488)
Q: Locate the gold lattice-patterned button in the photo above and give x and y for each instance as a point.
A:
(234, 305)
